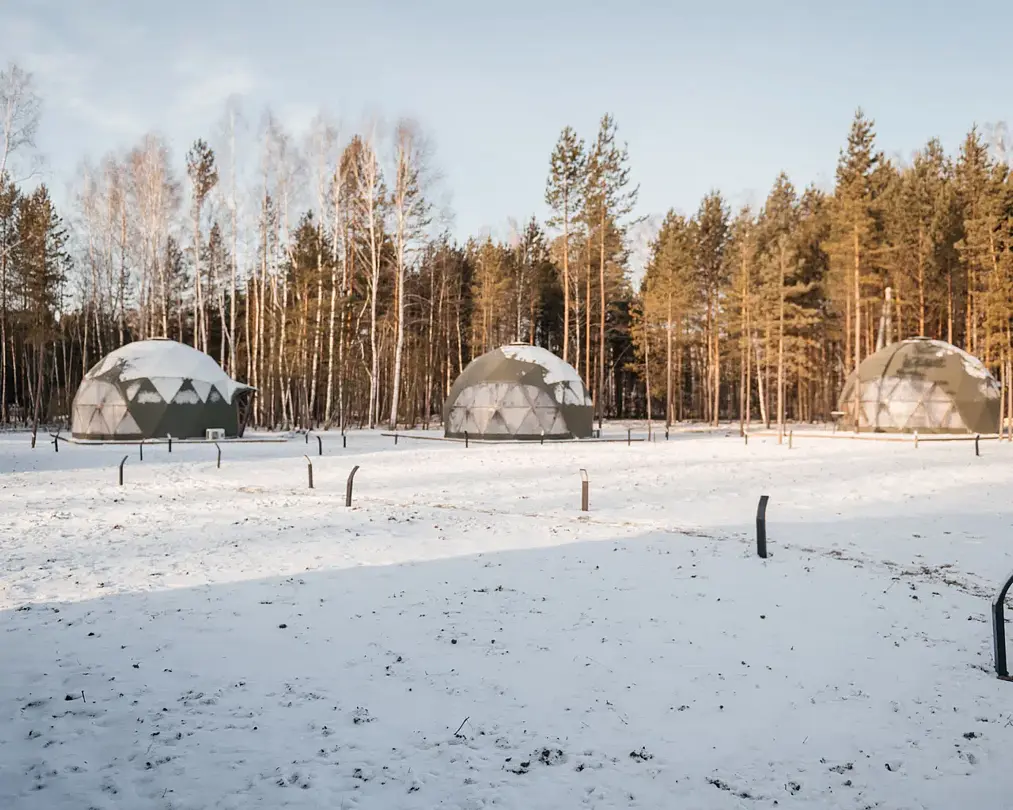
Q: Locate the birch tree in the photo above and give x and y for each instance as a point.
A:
(410, 211)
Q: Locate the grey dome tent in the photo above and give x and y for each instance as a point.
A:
(518, 391)
(921, 384)
(157, 388)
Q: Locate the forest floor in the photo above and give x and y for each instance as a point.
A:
(465, 637)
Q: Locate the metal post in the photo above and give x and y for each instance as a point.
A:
(666, 434)
(395, 438)
(307, 437)
(320, 445)
(465, 438)
(56, 442)
(791, 436)
(121, 469)
(977, 438)
(761, 526)
(348, 485)
(219, 455)
(309, 470)
(746, 434)
(542, 441)
(629, 435)
(140, 448)
(583, 490)
(170, 443)
(344, 440)
(999, 630)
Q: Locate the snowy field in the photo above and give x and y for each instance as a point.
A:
(463, 637)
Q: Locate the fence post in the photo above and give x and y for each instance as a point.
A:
(320, 445)
(56, 442)
(629, 436)
(761, 527)
(466, 438)
(348, 485)
(999, 630)
(344, 440)
(746, 435)
(219, 455)
(121, 469)
(583, 490)
(308, 436)
(170, 442)
(140, 448)
(309, 470)
(977, 438)
(395, 437)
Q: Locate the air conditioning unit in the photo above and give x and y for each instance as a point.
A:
(213, 434)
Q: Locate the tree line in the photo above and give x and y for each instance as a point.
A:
(329, 279)
(762, 314)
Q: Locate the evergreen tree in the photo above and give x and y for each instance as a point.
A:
(563, 194)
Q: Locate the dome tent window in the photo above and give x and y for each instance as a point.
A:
(155, 388)
(520, 392)
(922, 385)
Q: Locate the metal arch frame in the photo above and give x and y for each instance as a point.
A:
(999, 630)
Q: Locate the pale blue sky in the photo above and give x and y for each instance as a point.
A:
(720, 98)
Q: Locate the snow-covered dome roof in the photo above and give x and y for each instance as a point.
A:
(167, 363)
(558, 373)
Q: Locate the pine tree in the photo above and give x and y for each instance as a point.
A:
(563, 192)
(712, 221)
(608, 199)
(855, 237)
(200, 165)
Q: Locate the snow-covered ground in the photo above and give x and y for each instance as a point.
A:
(464, 637)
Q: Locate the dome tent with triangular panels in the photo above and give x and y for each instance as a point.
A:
(157, 388)
(923, 385)
(519, 392)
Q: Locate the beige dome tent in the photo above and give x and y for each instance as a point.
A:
(924, 385)
(157, 388)
(518, 391)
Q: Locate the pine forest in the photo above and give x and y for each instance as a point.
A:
(331, 281)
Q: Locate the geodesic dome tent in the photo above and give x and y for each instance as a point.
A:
(921, 384)
(518, 391)
(157, 388)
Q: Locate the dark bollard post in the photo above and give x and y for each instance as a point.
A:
(320, 445)
(121, 469)
(977, 438)
(999, 630)
(56, 442)
(219, 455)
(666, 434)
(348, 485)
(761, 527)
(583, 490)
(344, 441)
(542, 440)
(746, 435)
(307, 437)
(395, 438)
(629, 436)
(140, 449)
(170, 444)
(309, 470)
(466, 438)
